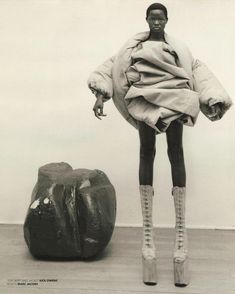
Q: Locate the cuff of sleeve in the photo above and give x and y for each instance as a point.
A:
(207, 110)
(96, 93)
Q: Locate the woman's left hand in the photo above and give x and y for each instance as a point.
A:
(215, 112)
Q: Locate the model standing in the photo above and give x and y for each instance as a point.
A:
(158, 87)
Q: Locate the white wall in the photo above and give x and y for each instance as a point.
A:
(47, 50)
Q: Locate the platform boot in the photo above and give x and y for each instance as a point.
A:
(148, 247)
(180, 259)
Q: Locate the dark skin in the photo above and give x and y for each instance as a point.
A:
(99, 106)
(157, 21)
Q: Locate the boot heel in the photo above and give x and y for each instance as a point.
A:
(149, 271)
(181, 272)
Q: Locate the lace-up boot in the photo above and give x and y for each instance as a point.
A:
(180, 259)
(148, 247)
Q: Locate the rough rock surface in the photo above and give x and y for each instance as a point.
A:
(72, 212)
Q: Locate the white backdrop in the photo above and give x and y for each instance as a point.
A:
(48, 49)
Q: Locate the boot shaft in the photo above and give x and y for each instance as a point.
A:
(179, 195)
(146, 197)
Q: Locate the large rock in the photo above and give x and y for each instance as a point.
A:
(72, 212)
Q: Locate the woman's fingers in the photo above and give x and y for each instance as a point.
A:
(99, 105)
(95, 109)
(215, 112)
(101, 112)
(98, 111)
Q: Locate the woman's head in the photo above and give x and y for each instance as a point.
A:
(155, 6)
(156, 17)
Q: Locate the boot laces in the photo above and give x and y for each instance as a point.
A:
(180, 222)
(147, 221)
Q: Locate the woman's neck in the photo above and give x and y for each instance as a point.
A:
(156, 36)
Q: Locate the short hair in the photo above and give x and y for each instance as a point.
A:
(156, 6)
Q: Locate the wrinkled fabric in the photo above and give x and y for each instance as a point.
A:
(210, 91)
(159, 88)
(110, 78)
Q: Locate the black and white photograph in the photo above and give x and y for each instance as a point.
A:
(117, 146)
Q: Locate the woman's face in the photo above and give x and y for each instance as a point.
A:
(156, 21)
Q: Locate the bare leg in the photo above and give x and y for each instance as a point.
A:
(175, 152)
(147, 153)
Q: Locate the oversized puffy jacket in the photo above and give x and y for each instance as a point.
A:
(111, 81)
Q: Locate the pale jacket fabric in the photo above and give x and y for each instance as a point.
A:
(159, 91)
(110, 78)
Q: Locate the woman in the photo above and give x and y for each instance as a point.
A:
(158, 87)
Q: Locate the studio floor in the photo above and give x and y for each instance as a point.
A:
(118, 269)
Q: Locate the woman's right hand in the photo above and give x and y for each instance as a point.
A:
(99, 106)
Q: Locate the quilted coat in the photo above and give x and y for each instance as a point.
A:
(111, 81)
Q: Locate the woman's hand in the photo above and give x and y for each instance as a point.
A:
(215, 112)
(99, 106)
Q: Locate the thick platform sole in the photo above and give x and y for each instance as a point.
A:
(149, 271)
(181, 272)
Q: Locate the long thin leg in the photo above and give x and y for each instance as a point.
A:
(147, 153)
(175, 152)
